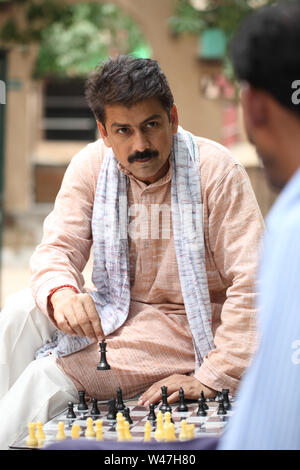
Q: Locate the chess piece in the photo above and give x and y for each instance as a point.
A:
(167, 417)
(75, 431)
(159, 431)
(126, 414)
(120, 404)
(99, 430)
(147, 431)
(31, 439)
(95, 409)
(205, 406)
(127, 433)
(120, 421)
(120, 428)
(152, 416)
(90, 432)
(170, 435)
(165, 405)
(190, 429)
(112, 410)
(219, 397)
(182, 405)
(82, 406)
(60, 436)
(221, 409)
(103, 364)
(201, 410)
(71, 414)
(40, 435)
(183, 435)
(227, 404)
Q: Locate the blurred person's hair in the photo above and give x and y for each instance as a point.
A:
(127, 81)
(265, 51)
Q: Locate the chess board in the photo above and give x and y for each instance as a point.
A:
(210, 425)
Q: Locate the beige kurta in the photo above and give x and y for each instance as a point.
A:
(156, 340)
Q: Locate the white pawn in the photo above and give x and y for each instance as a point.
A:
(40, 435)
(89, 433)
(159, 432)
(191, 431)
(60, 436)
(31, 439)
(99, 430)
(127, 431)
(147, 432)
(183, 436)
(170, 435)
(75, 431)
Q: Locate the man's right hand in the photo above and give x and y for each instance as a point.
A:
(76, 314)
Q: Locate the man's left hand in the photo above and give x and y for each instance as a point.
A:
(191, 386)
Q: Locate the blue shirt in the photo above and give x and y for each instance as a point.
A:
(267, 412)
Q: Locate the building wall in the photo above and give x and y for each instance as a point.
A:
(177, 57)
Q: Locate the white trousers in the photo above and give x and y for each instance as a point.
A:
(30, 390)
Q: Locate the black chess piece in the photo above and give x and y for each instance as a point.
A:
(82, 403)
(202, 397)
(219, 397)
(120, 404)
(71, 414)
(152, 415)
(95, 410)
(227, 404)
(126, 414)
(112, 410)
(103, 364)
(201, 409)
(221, 409)
(182, 405)
(165, 405)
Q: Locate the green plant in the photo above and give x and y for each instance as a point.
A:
(73, 39)
(223, 14)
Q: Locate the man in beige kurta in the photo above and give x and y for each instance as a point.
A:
(154, 346)
(156, 340)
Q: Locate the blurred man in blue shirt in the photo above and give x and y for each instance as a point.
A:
(266, 59)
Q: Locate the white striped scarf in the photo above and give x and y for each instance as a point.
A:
(111, 275)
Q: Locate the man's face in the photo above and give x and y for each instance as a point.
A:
(141, 137)
(261, 135)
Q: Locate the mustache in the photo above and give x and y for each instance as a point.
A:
(145, 154)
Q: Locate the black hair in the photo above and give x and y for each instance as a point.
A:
(126, 80)
(266, 51)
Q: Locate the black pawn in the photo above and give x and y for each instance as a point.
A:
(202, 397)
(95, 409)
(182, 405)
(227, 404)
(71, 414)
(112, 410)
(221, 409)
(165, 405)
(126, 414)
(103, 364)
(201, 409)
(152, 415)
(120, 403)
(82, 403)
